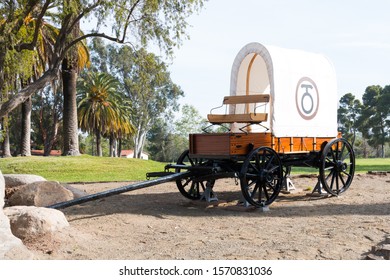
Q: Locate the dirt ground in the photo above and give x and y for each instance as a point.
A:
(159, 223)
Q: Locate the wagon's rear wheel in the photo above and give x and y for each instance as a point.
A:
(190, 187)
(261, 177)
(337, 166)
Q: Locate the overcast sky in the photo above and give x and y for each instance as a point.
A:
(353, 34)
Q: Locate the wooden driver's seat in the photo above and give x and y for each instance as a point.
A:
(250, 118)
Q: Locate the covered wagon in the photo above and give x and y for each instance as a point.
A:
(281, 112)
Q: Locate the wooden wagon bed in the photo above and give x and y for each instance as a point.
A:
(236, 144)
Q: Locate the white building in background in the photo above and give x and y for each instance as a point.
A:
(130, 154)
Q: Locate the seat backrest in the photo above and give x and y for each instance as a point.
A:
(242, 99)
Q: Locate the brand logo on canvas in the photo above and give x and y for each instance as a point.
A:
(307, 98)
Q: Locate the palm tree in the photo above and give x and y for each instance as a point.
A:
(76, 58)
(41, 58)
(101, 110)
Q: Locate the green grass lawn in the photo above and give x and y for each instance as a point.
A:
(81, 169)
(372, 164)
(363, 165)
(101, 169)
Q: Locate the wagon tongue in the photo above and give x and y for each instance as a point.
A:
(158, 174)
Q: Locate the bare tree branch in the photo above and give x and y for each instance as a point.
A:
(85, 12)
(128, 19)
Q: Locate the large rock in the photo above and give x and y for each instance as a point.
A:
(77, 193)
(15, 180)
(10, 246)
(43, 193)
(30, 221)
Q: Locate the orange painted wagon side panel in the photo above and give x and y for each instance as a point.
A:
(226, 144)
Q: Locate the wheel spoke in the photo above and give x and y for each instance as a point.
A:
(202, 185)
(187, 182)
(347, 174)
(263, 158)
(342, 179)
(255, 189)
(337, 150)
(271, 186)
(333, 155)
(273, 169)
(191, 161)
(269, 162)
(254, 167)
(347, 155)
(265, 192)
(342, 151)
(192, 189)
(333, 176)
(330, 173)
(329, 168)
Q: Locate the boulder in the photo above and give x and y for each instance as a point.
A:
(43, 193)
(77, 193)
(10, 246)
(15, 180)
(31, 221)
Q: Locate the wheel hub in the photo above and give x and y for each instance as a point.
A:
(266, 176)
(341, 166)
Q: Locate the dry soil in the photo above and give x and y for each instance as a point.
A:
(159, 223)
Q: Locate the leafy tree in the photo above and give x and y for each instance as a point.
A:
(168, 139)
(148, 84)
(139, 21)
(374, 120)
(47, 117)
(347, 114)
(190, 121)
(160, 141)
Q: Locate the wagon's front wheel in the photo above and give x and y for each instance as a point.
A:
(261, 177)
(337, 166)
(190, 187)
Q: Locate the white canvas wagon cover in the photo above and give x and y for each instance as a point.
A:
(302, 88)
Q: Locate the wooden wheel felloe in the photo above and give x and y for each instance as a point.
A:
(261, 176)
(190, 187)
(337, 166)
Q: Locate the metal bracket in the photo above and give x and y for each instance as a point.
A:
(208, 194)
(212, 124)
(318, 187)
(249, 124)
(318, 191)
(288, 185)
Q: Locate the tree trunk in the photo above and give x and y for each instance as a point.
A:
(119, 148)
(364, 144)
(25, 149)
(139, 137)
(139, 144)
(70, 130)
(111, 151)
(6, 145)
(69, 78)
(113, 146)
(50, 139)
(99, 152)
